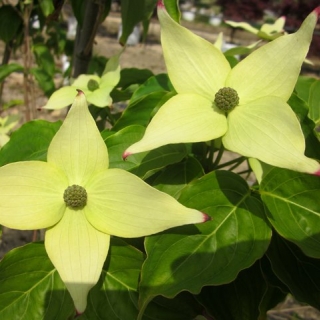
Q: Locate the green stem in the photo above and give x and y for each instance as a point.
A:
(110, 116)
(237, 164)
(209, 158)
(218, 158)
(237, 160)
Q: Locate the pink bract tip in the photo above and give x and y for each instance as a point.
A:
(206, 217)
(125, 155)
(317, 11)
(160, 4)
(79, 92)
(317, 173)
(78, 314)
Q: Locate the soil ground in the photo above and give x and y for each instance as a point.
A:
(148, 55)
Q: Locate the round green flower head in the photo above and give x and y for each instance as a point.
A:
(93, 85)
(75, 197)
(226, 99)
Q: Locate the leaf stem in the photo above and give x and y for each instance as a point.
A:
(238, 161)
(219, 156)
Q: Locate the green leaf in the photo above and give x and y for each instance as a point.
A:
(314, 102)
(143, 164)
(44, 59)
(129, 76)
(30, 142)
(79, 9)
(239, 299)
(182, 307)
(30, 287)
(175, 177)
(212, 253)
(46, 7)
(7, 69)
(115, 296)
(173, 9)
(158, 83)
(45, 80)
(292, 199)
(148, 11)
(10, 23)
(300, 273)
(302, 87)
(301, 109)
(149, 96)
(132, 12)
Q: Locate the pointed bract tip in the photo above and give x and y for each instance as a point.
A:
(160, 4)
(317, 173)
(317, 11)
(80, 92)
(206, 217)
(125, 155)
(78, 314)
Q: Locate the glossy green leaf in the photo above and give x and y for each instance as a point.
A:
(143, 164)
(30, 287)
(292, 199)
(173, 9)
(237, 300)
(301, 109)
(129, 76)
(30, 142)
(158, 83)
(149, 96)
(132, 12)
(115, 295)
(7, 69)
(118, 287)
(10, 23)
(211, 253)
(300, 273)
(314, 102)
(150, 6)
(302, 87)
(175, 177)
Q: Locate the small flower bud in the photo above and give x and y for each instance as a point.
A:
(93, 85)
(75, 197)
(226, 99)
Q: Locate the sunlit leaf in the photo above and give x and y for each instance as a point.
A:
(294, 208)
(212, 253)
(117, 286)
(30, 287)
(30, 142)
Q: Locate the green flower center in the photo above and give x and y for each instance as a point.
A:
(93, 85)
(226, 99)
(75, 197)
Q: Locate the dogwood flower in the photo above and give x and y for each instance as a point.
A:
(246, 106)
(81, 202)
(97, 89)
(268, 31)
